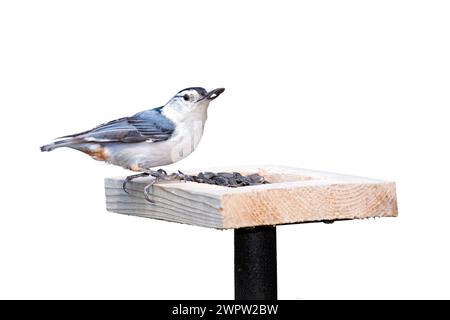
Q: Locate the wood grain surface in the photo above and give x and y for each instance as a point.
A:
(293, 196)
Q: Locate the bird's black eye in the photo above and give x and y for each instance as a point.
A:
(186, 97)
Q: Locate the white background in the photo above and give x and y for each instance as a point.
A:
(357, 87)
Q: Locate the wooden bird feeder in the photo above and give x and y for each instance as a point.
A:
(292, 196)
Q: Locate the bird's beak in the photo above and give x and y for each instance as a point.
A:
(213, 94)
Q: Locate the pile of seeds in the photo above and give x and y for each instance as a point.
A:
(227, 179)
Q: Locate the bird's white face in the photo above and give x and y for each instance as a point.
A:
(192, 100)
(188, 110)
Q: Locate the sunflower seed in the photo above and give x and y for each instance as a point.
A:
(228, 179)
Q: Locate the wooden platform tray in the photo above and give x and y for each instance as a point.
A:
(293, 196)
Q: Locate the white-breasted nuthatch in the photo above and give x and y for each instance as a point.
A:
(148, 139)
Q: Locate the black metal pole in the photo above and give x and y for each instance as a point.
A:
(255, 263)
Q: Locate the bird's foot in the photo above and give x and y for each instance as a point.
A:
(147, 190)
(157, 175)
(132, 177)
(162, 175)
(179, 176)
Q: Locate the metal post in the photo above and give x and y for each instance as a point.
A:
(255, 263)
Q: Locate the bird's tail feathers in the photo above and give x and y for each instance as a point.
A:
(60, 142)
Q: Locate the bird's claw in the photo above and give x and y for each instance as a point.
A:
(132, 177)
(147, 191)
(162, 171)
(181, 176)
(178, 176)
(157, 175)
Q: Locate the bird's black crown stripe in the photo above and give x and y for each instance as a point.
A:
(200, 90)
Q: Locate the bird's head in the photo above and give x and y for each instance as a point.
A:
(193, 99)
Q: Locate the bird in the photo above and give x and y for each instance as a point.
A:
(148, 139)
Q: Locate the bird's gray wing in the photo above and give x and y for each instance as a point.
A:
(147, 125)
